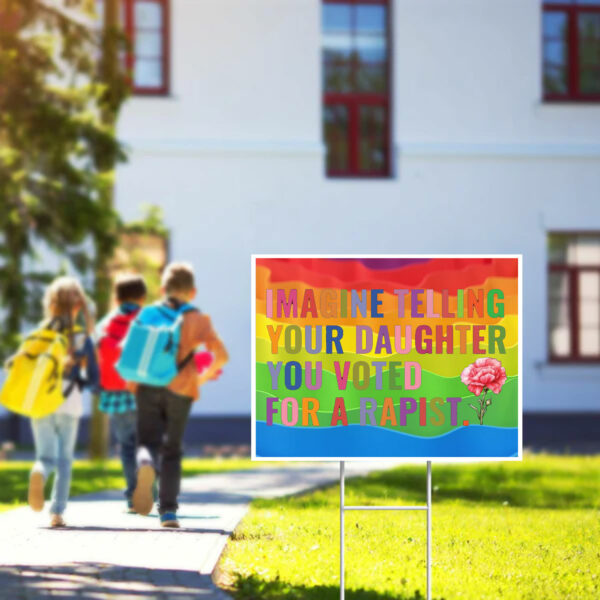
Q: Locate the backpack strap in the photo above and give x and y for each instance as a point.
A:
(67, 392)
(55, 324)
(78, 357)
(181, 308)
(184, 361)
(178, 306)
(122, 319)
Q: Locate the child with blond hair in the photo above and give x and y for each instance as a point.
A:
(55, 435)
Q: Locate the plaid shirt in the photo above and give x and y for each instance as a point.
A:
(116, 402)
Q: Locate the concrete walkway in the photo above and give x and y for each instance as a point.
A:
(105, 553)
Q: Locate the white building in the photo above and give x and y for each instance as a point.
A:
(462, 126)
(443, 133)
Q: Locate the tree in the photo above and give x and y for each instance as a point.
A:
(58, 150)
(115, 90)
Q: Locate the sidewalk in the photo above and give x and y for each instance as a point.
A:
(108, 554)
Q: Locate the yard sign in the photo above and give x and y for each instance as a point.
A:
(361, 357)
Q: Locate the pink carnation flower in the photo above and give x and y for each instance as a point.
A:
(484, 373)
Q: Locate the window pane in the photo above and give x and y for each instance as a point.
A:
(337, 47)
(555, 66)
(557, 248)
(370, 18)
(148, 44)
(555, 52)
(589, 53)
(589, 81)
(371, 76)
(148, 14)
(148, 73)
(336, 137)
(589, 39)
(337, 72)
(589, 286)
(589, 312)
(589, 300)
(589, 25)
(373, 129)
(560, 337)
(589, 342)
(337, 44)
(371, 64)
(555, 25)
(371, 48)
(558, 288)
(337, 17)
(555, 80)
(584, 250)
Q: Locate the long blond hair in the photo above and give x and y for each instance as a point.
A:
(62, 297)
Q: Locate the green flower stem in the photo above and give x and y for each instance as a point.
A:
(482, 405)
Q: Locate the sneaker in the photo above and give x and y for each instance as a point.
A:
(130, 509)
(169, 519)
(142, 500)
(57, 521)
(35, 496)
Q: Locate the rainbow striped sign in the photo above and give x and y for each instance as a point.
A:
(386, 357)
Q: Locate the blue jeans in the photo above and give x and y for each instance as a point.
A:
(54, 437)
(124, 427)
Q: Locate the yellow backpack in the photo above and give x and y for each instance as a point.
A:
(33, 386)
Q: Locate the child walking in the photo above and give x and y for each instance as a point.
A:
(55, 435)
(163, 410)
(116, 399)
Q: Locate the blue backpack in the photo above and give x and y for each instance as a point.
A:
(149, 353)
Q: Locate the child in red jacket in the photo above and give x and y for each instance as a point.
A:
(115, 397)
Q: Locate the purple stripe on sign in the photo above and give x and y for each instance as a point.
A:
(382, 264)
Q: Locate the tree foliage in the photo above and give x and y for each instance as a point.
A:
(58, 150)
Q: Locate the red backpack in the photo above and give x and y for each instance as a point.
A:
(109, 351)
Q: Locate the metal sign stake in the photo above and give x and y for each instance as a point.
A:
(344, 508)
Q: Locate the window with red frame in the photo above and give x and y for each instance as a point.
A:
(574, 297)
(146, 23)
(571, 48)
(356, 87)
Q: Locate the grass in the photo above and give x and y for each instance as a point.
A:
(89, 476)
(515, 531)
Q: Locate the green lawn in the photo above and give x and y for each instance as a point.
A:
(518, 531)
(98, 476)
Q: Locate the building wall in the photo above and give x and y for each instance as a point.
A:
(235, 158)
(243, 73)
